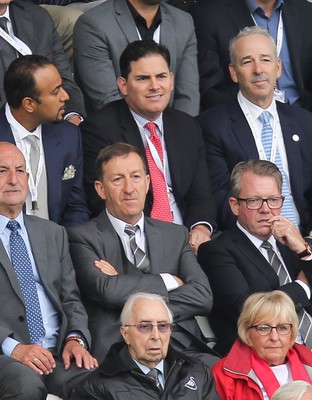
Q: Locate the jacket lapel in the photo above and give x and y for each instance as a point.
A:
(125, 21)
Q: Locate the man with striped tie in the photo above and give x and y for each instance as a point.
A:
(122, 252)
(263, 252)
(259, 125)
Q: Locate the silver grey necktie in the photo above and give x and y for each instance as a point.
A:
(140, 259)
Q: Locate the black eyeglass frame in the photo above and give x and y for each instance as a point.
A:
(271, 328)
(247, 201)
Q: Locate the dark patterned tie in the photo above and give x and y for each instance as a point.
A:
(305, 325)
(22, 266)
(153, 373)
(140, 259)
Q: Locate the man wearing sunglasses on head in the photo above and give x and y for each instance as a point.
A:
(263, 252)
(144, 365)
(122, 252)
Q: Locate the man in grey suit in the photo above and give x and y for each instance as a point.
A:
(43, 325)
(101, 35)
(157, 258)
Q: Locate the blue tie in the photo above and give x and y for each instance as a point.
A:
(22, 266)
(266, 138)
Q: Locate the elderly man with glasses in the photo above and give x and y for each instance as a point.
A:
(144, 366)
(264, 251)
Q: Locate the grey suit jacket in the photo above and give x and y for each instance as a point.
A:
(34, 26)
(104, 295)
(50, 250)
(100, 37)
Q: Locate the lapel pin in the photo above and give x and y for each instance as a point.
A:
(295, 138)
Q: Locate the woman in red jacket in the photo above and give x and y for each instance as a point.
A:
(265, 356)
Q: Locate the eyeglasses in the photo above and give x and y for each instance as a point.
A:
(144, 327)
(255, 204)
(265, 330)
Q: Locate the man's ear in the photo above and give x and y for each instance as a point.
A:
(28, 104)
(122, 85)
(124, 333)
(100, 189)
(234, 206)
(233, 73)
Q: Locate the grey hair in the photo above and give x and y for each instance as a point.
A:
(127, 310)
(292, 391)
(249, 31)
(257, 167)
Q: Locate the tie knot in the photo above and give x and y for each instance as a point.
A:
(266, 245)
(151, 126)
(153, 373)
(131, 229)
(264, 118)
(32, 139)
(13, 225)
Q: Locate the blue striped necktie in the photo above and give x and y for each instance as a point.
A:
(266, 138)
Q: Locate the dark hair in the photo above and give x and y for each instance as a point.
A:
(139, 49)
(115, 150)
(19, 81)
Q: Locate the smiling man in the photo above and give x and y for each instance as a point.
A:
(145, 366)
(256, 125)
(171, 141)
(263, 252)
(122, 252)
(32, 119)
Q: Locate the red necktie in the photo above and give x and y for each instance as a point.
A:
(161, 206)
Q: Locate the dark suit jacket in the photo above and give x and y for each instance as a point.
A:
(236, 269)
(101, 35)
(33, 25)
(104, 296)
(186, 157)
(62, 147)
(229, 140)
(50, 250)
(216, 22)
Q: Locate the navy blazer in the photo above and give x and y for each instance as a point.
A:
(229, 140)
(62, 147)
(236, 269)
(185, 150)
(216, 22)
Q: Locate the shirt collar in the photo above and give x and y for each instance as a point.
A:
(120, 225)
(146, 370)
(4, 221)
(253, 5)
(255, 110)
(256, 242)
(20, 130)
(141, 121)
(138, 17)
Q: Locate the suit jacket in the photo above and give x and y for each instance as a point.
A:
(216, 22)
(62, 147)
(50, 250)
(104, 296)
(186, 157)
(236, 269)
(101, 35)
(229, 140)
(33, 25)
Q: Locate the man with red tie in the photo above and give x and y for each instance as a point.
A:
(171, 140)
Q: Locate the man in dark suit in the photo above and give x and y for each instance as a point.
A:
(237, 264)
(35, 108)
(233, 131)
(146, 84)
(216, 22)
(101, 35)
(111, 265)
(35, 33)
(43, 325)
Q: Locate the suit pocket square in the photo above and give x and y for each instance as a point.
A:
(69, 173)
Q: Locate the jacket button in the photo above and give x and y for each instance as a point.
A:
(21, 318)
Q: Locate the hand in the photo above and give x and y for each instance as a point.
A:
(105, 267)
(74, 119)
(178, 280)
(302, 277)
(286, 233)
(83, 358)
(198, 235)
(36, 357)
